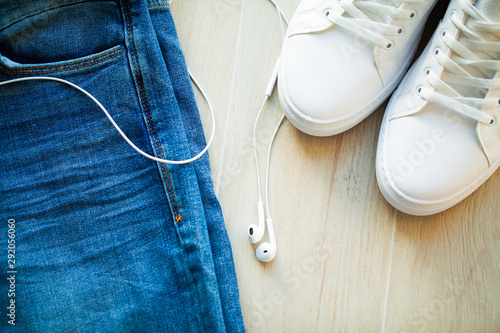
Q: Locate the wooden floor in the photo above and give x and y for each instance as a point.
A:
(347, 261)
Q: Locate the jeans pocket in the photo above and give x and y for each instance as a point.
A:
(8, 66)
(61, 36)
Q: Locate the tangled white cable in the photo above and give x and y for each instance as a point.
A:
(154, 158)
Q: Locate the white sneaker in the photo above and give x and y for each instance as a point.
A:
(342, 58)
(440, 138)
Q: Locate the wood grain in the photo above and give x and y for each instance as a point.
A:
(347, 261)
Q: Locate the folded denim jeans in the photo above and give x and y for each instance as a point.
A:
(106, 240)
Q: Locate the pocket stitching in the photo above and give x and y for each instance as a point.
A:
(158, 5)
(29, 70)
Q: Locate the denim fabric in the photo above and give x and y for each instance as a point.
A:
(106, 240)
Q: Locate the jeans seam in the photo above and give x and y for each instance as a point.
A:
(28, 70)
(144, 101)
(158, 5)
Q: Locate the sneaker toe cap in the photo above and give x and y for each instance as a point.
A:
(321, 75)
(428, 159)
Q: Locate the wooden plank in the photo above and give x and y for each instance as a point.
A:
(446, 268)
(208, 33)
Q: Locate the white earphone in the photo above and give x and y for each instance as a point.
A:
(266, 251)
(256, 232)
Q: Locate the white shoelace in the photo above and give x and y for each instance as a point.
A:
(374, 27)
(475, 38)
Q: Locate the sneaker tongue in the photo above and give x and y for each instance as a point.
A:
(489, 8)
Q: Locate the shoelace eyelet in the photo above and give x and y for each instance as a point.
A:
(452, 13)
(413, 14)
(389, 46)
(493, 122)
(326, 13)
(401, 31)
(427, 71)
(436, 51)
(419, 90)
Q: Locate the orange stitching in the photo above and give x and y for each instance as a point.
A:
(25, 71)
(160, 4)
(164, 170)
(69, 63)
(147, 108)
(158, 147)
(139, 79)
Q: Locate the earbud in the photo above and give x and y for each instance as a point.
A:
(255, 233)
(266, 251)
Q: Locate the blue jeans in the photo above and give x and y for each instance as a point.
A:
(101, 238)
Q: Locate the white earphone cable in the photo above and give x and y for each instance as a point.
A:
(269, 163)
(154, 158)
(281, 15)
(255, 147)
(267, 250)
(269, 91)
